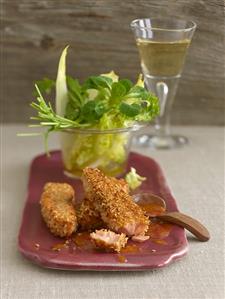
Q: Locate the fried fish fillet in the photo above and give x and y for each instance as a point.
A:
(88, 217)
(57, 209)
(116, 207)
(122, 183)
(107, 239)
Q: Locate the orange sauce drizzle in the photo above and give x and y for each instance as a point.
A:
(83, 241)
(130, 249)
(158, 230)
(59, 246)
(122, 258)
(159, 241)
(152, 209)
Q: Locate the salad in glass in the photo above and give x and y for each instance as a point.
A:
(95, 119)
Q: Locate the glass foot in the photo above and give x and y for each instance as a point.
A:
(160, 142)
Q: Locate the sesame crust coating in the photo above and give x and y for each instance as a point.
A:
(57, 209)
(122, 183)
(107, 239)
(116, 207)
(87, 216)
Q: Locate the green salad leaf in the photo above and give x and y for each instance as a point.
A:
(45, 86)
(130, 110)
(103, 99)
(97, 82)
(118, 90)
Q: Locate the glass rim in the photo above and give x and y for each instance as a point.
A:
(134, 24)
(84, 131)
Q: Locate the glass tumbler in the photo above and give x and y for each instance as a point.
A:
(107, 150)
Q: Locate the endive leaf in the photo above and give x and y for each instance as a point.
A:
(61, 86)
(111, 75)
(140, 81)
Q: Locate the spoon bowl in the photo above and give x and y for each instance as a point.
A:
(152, 204)
(149, 198)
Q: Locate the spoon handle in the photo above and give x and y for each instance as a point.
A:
(191, 224)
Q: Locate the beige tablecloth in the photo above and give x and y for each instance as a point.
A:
(196, 176)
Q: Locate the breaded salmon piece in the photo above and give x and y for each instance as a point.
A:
(107, 239)
(88, 217)
(57, 209)
(116, 207)
(122, 183)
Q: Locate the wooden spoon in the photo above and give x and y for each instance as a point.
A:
(155, 206)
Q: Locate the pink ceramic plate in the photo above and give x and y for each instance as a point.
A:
(36, 242)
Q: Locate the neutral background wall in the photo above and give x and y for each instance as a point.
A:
(33, 33)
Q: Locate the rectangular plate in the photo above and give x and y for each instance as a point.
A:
(34, 231)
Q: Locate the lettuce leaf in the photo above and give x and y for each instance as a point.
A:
(133, 179)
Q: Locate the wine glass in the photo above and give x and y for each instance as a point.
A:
(162, 45)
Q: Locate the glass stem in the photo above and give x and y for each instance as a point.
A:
(162, 125)
(165, 89)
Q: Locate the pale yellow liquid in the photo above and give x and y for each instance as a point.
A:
(161, 58)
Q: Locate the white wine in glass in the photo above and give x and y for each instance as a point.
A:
(162, 45)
